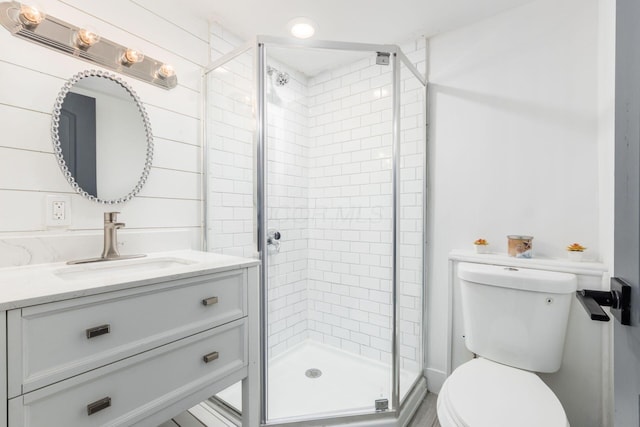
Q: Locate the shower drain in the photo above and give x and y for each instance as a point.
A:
(313, 373)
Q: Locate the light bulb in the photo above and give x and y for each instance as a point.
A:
(86, 38)
(302, 28)
(31, 16)
(165, 71)
(131, 56)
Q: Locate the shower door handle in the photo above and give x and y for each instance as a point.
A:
(273, 235)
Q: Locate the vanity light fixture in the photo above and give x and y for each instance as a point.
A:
(31, 16)
(30, 23)
(131, 56)
(85, 38)
(302, 27)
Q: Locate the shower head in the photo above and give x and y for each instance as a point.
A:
(282, 78)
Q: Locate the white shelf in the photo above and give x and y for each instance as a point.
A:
(588, 268)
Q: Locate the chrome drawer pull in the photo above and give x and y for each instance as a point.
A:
(98, 405)
(210, 301)
(98, 330)
(210, 357)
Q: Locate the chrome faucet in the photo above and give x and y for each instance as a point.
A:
(111, 227)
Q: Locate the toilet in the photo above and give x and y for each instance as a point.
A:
(515, 321)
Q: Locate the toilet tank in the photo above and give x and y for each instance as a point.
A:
(516, 316)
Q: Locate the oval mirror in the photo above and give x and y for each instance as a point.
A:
(102, 137)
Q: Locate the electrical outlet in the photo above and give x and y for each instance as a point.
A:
(57, 211)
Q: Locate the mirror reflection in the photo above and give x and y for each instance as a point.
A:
(103, 139)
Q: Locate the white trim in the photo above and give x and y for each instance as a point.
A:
(435, 379)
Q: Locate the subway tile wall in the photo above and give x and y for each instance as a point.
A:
(330, 196)
(287, 203)
(350, 203)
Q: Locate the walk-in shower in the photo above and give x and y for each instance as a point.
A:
(315, 161)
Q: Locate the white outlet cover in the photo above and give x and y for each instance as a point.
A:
(56, 215)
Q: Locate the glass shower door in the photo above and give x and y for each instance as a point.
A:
(412, 226)
(315, 159)
(329, 223)
(230, 157)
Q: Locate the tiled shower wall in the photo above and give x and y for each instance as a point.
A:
(330, 197)
(350, 204)
(288, 186)
(351, 208)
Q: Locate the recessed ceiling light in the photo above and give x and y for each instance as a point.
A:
(302, 28)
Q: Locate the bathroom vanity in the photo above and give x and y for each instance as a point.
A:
(131, 342)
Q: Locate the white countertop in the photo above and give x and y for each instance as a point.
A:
(42, 283)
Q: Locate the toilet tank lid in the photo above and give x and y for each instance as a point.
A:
(518, 278)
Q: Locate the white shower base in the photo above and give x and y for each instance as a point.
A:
(349, 383)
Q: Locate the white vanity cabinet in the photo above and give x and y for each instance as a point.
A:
(131, 355)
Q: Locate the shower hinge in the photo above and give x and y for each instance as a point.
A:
(382, 405)
(382, 58)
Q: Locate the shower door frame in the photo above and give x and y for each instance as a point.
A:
(418, 388)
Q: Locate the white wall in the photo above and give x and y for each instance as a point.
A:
(166, 214)
(518, 120)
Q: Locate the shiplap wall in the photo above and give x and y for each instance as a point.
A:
(167, 213)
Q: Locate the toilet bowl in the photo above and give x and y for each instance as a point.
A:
(515, 321)
(482, 393)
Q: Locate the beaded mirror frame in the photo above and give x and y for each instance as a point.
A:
(55, 136)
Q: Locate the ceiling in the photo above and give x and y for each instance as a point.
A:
(367, 21)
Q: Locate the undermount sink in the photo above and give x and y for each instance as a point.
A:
(119, 267)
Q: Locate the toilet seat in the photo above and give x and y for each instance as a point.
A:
(482, 393)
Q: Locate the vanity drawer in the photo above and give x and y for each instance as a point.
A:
(129, 391)
(52, 342)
